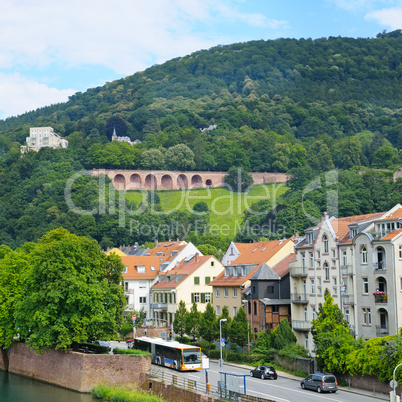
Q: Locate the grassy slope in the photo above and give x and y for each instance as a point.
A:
(226, 208)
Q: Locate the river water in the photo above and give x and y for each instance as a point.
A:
(14, 388)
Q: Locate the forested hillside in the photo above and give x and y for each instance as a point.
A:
(300, 106)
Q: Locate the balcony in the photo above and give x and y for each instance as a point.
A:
(298, 325)
(379, 267)
(159, 306)
(299, 298)
(348, 300)
(298, 272)
(346, 270)
(381, 330)
(380, 298)
(128, 291)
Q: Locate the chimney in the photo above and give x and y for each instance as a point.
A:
(196, 258)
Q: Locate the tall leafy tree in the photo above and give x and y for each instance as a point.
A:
(239, 331)
(13, 265)
(179, 323)
(208, 328)
(283, 335)
(193, 321)
(72, 293)
(238, 180)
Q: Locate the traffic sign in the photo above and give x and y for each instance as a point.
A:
(134, 317)
(393, 384)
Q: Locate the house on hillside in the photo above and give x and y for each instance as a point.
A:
(41, 137)
(236, 276)
(188, 281)
(357, 259)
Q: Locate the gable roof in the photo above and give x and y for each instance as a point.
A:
(260, 252)
(182, 271)
(264, 272)
(116, 251)
(133, 261)
(166, 251)
(222, 280)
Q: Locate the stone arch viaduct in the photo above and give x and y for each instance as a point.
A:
(171, 180)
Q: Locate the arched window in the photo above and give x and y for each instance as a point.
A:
(325, 240)
(326, 270)
(364, 255)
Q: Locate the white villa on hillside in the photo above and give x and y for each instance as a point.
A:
(40, 137)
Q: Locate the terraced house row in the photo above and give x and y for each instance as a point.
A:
(358, 259)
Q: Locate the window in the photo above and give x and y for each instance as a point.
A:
(344, 258)
(312, 286)
(152, 268)
(212, 263)
(354, 233)
(275, 309)
(364, 255)
(366, 316)
(400, 252)
(208, 298)
(196, 280)
(226, 292)
(218, 292)
(401, 282)
(318, 255)
(125, 269)
(306, 341)
(143, 300)
(325, 240)
(303, 260)
(305, 314)
(333, 254)
(347, 315)
(311, 260)
(243, 271)
(195, 297)
(234, 292)
(170, 298)
(326, 269)
(234, 311)
(365, 286)
(314, 313)
(207, 280)
(218, 310)
(335, 287)
(270, 289)
(235, 273)
(140, 269)
(142, 285)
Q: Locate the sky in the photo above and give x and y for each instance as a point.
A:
(51, 49)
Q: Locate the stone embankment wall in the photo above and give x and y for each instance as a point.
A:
(172, 180)
(79, 371)
(3, 359)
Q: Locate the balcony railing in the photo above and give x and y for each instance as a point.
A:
(159, 306)
(299, 298)
(298, 272)
(381, 298)
(381, 330)
(348, 300)
(129, 291)
(347, 270)
(299, 325)
(379, 267)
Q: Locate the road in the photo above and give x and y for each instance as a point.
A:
(284, 389)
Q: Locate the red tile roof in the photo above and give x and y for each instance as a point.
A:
(132, 261)
(282, 267)
(392, 234)
(260, 252)
(222, 280)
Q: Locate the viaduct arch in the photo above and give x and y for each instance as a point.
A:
(172, 180)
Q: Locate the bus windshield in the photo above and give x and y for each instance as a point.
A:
(191, 356)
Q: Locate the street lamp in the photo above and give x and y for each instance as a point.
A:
(393, 382)
(220, 337)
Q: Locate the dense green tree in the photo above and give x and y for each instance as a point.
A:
(179, 157)
(179, 323)
(283, 335)
(238, 180)
(153, 159)
(239, 332)
(72, 292)
(193, 321)
(319, 157)
(208, 328)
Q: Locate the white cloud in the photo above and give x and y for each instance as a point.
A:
(20, 95)
(123, 34)
(359, 5)
(391, 17)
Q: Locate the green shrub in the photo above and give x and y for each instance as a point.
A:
(115, 394)
(132, 352)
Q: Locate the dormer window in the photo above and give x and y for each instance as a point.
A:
(243, 271)
(353, 233)
(227, 271)
(140, 269)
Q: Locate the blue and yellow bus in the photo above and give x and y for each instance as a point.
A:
(175, 355)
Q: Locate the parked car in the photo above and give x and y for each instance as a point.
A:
(320, 382)
(264, 372)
